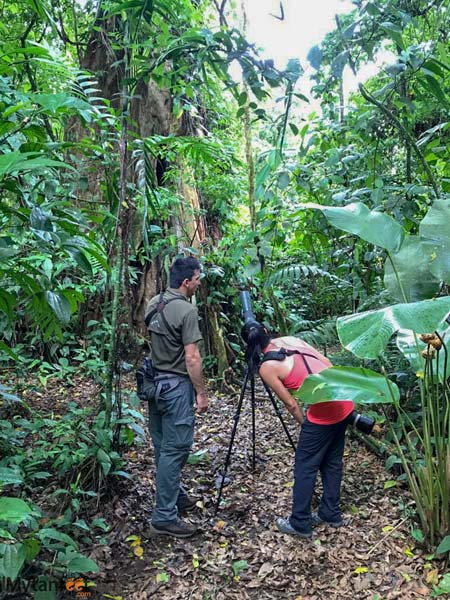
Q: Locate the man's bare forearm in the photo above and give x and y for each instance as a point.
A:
(195, 372)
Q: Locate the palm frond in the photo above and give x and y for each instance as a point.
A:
(86, 87)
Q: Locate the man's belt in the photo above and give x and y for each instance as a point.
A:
(166, 381)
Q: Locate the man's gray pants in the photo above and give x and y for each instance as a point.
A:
(172, 430)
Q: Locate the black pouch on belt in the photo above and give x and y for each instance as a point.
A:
(145, 381)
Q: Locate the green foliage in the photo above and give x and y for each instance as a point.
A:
(366, 334)
(43, 237)
(363, 386)
(77, 449)
(373, 226)
(82, 191)
(35, 544)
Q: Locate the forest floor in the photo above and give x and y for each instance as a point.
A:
(240, 554)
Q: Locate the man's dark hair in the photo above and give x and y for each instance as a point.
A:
(183, 268)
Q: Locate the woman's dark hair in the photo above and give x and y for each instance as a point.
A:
(183, 268)
(257, 339)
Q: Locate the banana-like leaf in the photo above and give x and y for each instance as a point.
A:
(366, 334)
(363, 386)
(434, 231)
(413, 271)
(370, 225)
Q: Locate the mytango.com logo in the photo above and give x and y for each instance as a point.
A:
(78, 586)
(40, 584)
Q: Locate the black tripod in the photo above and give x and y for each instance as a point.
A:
(249, 374)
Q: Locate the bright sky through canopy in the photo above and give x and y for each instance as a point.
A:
(304, 25)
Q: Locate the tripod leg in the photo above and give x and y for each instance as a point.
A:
(280, 416)
(233, 434)
(252, 392)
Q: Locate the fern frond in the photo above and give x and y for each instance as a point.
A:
(294, 273)
(194, 149)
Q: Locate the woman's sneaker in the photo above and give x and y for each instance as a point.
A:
(177, 528)
(285, 527)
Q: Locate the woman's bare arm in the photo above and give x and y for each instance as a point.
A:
(269, 376)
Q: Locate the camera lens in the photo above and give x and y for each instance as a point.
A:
(362, 422)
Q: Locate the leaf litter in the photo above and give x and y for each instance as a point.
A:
(239, 554)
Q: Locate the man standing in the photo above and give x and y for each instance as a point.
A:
(173, 326)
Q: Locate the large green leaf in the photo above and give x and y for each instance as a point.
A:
(363, 386)
(366, 334)
(406, 343)
(434, 231)
(370, 225)
(14, 510)
(12, 558)
(54, 534)
(16, 161)
(59, 304)
(412, 266)
(61, 102)
(82, 564)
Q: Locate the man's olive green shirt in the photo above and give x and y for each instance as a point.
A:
(168, 343)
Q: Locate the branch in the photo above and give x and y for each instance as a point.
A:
(405, 133)
(221, 10)
(281, 17)
(390, 532)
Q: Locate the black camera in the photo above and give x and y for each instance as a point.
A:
(361, 422)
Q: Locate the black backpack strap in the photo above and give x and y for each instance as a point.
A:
(275, 355)
(160, 310)
(153, 312)
(282, 353)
